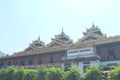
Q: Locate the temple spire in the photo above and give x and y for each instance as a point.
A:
(93, 24)
(39, 38)
(62, 31)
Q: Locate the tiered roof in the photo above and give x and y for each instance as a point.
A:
(92, 33)
(61, 48)
(60, 40)
(36, 44)
(97, 42)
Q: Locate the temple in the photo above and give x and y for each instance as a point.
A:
(93, 49)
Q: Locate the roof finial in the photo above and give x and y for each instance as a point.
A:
(39, 38)
(93, 24)
(62, 31)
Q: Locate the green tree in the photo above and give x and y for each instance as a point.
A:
(115, 73)
(55, 74)
(19, 74)
(10, 73)
(29, 74)
(94, 73)
(72, 74)
(7, 74)
(3, 73)
(41, 73)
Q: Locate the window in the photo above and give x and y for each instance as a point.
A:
(22, 62)
(73, 52)
(86, 63)
(31, 60)
(51, 59)
(39, 60)
(85, 50)
(2, 63)
(111, 53)
(15, 62)
(112, 64)
(9, 63)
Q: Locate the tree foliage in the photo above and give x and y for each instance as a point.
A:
(72, 74)
(3, 73)
(94, 73)
(41, 73)
(115, 73)
(55, 74)
(30, 74)
(8, 74)
(20, 73)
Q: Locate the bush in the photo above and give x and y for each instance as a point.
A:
(30, 74)
(94, 73)
(115, 73)
(41, 73)
(19, 74)
(54, 74)
(3, 74)
(72, 74)
(8, 74)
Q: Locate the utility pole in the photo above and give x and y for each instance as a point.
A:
(77, 60)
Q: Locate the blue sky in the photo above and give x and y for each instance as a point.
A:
(22, 21)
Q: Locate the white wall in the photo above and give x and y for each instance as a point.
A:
(83, 51)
